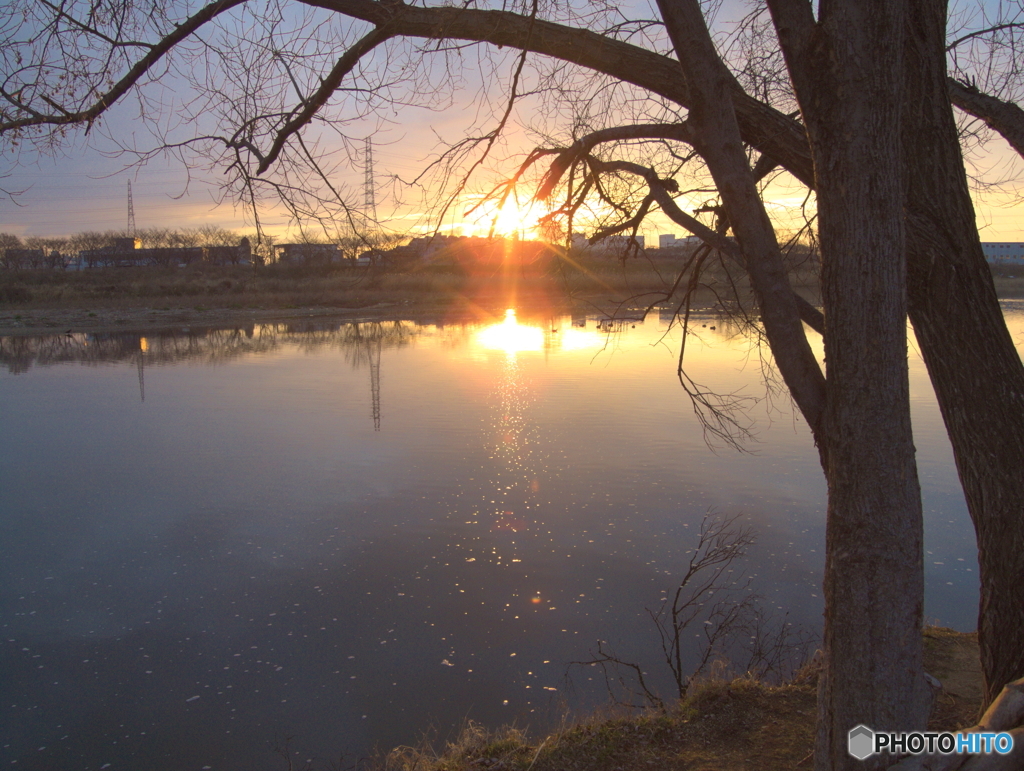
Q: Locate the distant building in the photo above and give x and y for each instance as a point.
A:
(607, 246)
(671, 242)
(118, 254)
(307, 254)
(1004, 252)
(124, 252)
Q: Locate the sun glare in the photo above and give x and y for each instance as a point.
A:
(511, 336)
(512, 219)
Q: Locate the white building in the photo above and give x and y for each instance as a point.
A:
(1001, 252)
(609, 245)
(669, 241)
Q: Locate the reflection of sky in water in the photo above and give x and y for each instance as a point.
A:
(242, 556)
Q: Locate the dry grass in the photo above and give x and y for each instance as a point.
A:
(722, 726)
(281, 286)
(954, 658)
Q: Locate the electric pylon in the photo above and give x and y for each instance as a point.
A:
(370, 198)
(131, 212)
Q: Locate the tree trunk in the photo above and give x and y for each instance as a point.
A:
(847, 71)
(971, 358)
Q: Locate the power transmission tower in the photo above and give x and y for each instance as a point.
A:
(131, 212)
(370, 199)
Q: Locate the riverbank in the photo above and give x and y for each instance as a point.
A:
(154, 299)
(724, 726)
(151, 299)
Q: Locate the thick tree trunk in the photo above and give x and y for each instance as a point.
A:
(874, 587)
(971, 358)
(847, 71)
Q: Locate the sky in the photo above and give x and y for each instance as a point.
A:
(85, 185)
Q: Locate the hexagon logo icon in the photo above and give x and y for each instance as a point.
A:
(861, 742)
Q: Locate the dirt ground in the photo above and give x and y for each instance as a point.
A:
(954, 659)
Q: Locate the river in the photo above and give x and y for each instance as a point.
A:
(339, 536)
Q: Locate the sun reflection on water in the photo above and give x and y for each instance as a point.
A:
(511, 336)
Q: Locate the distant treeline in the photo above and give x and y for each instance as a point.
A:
(39, 252)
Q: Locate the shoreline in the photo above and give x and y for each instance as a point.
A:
(724, 724)
(29, 322)
(49, 321)
(153, 300)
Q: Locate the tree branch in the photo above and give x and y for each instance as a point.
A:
(119, 89)
(345, 64)
(980, 32)
(661, 192)
(763, 127)
(583, 145)
(1006, 118)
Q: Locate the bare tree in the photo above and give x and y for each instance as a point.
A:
(868, 85)
(711, 617)
(8, 241)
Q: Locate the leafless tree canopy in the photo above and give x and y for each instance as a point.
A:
(280, 95)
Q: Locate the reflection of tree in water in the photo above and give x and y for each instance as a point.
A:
(361, 344)
(211, 346)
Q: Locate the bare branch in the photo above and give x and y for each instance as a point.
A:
(1004, 117)
(983, 32)
(327, 88)
(130, 79)
(583, 146)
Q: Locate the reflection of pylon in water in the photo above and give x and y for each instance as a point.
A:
(142, 377)
(373, 348)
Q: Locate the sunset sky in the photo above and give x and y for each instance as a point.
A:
(84, 187)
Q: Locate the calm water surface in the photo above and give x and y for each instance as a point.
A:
(352, 534)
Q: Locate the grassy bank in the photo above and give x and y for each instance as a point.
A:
(199, 287)
(722, 725)
(282, 286)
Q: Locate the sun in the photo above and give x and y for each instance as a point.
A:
(513, 218)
